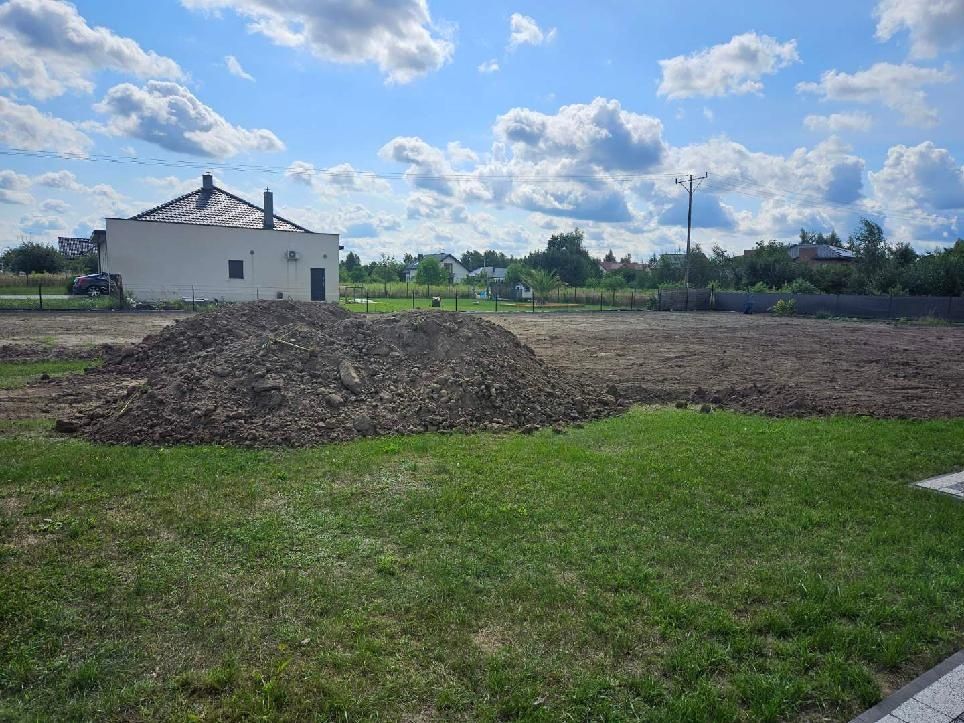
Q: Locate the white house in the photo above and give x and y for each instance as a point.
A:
(212, 244)
(451, 265)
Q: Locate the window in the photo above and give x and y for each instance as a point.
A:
(235, 269)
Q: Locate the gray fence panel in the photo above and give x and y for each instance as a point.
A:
(730, 300)
(865, 307)
(813, 304)
(919, 306)
(684, 300)
(957, 309)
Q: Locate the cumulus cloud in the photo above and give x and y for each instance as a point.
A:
(600, 133)
(13, 188)
(169, 115)
(922, 176)
(67, 181)
(898, 87)
(428, 168)
(397, 35)
(735, 67)
(839, 122)
(933, 25)
(23, 126)
(234, 68)
(708, 212)
(337, 179)
(489, 66)
(37, 224)
(47, 48)
(524, 30)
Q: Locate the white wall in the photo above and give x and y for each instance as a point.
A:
(159, 260)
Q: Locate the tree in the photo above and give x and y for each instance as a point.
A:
(352, 261)
(566, 256)
(430, 272)
(542, 283)
(627, 259)
(515, 273)
(33, 258)
(614, 283)
(610, 257)
(386, 271)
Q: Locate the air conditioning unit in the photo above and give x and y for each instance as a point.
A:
(291, 255)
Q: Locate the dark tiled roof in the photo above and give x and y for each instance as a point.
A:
(214, 207)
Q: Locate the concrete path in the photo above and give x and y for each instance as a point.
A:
(949, 484)
(935, 697)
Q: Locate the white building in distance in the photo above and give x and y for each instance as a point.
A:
(212, 244)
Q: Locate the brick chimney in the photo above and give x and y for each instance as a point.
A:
(268, 208)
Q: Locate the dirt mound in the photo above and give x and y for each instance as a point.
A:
(295, 373)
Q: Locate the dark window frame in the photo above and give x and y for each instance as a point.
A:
(235, 268)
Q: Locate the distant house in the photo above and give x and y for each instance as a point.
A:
(494, 273)
(456, 271)
(210, 242)
(820, 254)
(610, 266)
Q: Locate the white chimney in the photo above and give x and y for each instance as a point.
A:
(268, 209)
(207, 182)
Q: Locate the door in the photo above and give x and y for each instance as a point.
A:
(317, 284)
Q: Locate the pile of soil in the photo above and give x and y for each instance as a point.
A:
(295, 373)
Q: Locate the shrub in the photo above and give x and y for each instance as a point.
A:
(760, 287)
(785, 307)
(800, 286)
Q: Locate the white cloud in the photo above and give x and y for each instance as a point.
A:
(600, 133)
(459, 154)
(23, 126)
(920, 177)
(234, 68)
(67, 181)
(170, 116)
(895, 86)
(54, 205)
(735, 67)
(397, 35)
(933, 25)
(47, 48)
(338, 179)
(839, 122)
(13, 188)
(489, 66)
(524, 30)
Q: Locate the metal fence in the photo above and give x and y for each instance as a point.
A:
(949, 308)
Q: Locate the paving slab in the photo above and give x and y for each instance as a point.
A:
(935, 697)
(949, 484)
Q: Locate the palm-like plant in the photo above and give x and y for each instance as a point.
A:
(542, 283)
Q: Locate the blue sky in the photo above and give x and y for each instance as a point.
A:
(424, 126)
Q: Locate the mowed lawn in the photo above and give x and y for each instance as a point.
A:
(665, 565)
(387, 305)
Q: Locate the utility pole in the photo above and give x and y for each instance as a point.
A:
(688, 187)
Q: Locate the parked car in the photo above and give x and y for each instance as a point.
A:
(94, 284)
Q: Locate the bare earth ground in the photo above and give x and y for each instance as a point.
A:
(748, 363)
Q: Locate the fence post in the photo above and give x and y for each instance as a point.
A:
(600, 300)
(533, 303)
(456, 299)
(193, 304)
(366, 300)
(632, 299)
(40, 295)
(413, 298)
(496, 302)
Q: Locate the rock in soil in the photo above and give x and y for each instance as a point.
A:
(297, 373)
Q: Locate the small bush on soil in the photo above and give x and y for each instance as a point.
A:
(785, 307)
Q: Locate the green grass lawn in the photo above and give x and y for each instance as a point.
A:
(665, 565)
(18, 374)
(377, 305)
